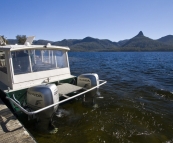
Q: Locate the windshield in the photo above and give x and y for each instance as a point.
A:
(3, 67)
(26, 61)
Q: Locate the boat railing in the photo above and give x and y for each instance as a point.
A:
(47, 107)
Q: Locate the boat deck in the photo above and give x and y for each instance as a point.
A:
(67, 88)
(11, 130)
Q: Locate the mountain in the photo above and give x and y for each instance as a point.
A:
(89, 44)
(12, 41)
(66, 42)
(166, 39)
(35, 42)
(41, 42)
(122, 42)
(143, 43)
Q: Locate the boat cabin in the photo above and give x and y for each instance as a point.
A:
(23, 66)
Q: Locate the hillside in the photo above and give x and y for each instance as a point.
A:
(122, 42)
(166, 39)
(12, 41)
(89, 44)
(142, 43)
(41, 42)
(65, 42)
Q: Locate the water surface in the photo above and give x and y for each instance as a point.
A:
(136, 104)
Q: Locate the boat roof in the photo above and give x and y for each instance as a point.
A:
(30, 47)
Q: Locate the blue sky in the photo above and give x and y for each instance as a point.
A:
(75, 19)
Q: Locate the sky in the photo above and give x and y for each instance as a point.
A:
(115, 20)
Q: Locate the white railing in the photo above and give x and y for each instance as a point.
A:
(42, 109)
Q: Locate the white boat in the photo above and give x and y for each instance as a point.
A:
(35, 77)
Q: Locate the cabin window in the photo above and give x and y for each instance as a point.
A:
(48, 59)
(3, 67)
(26, 61)
(21, 64)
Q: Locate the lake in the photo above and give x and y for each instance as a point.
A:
(136, 104)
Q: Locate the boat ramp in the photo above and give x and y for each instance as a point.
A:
(11, 130)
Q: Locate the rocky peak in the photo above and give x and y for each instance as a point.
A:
(140, 34)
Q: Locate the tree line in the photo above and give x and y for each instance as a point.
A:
(20, 39)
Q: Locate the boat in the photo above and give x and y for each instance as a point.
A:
(36, 79)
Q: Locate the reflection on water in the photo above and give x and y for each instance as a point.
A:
(136, 105)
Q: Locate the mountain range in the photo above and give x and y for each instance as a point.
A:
(137, 43)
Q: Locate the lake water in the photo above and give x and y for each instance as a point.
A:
(136, 104)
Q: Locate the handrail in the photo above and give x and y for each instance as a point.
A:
(44, 108)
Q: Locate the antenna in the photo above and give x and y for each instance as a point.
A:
(29, 40)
